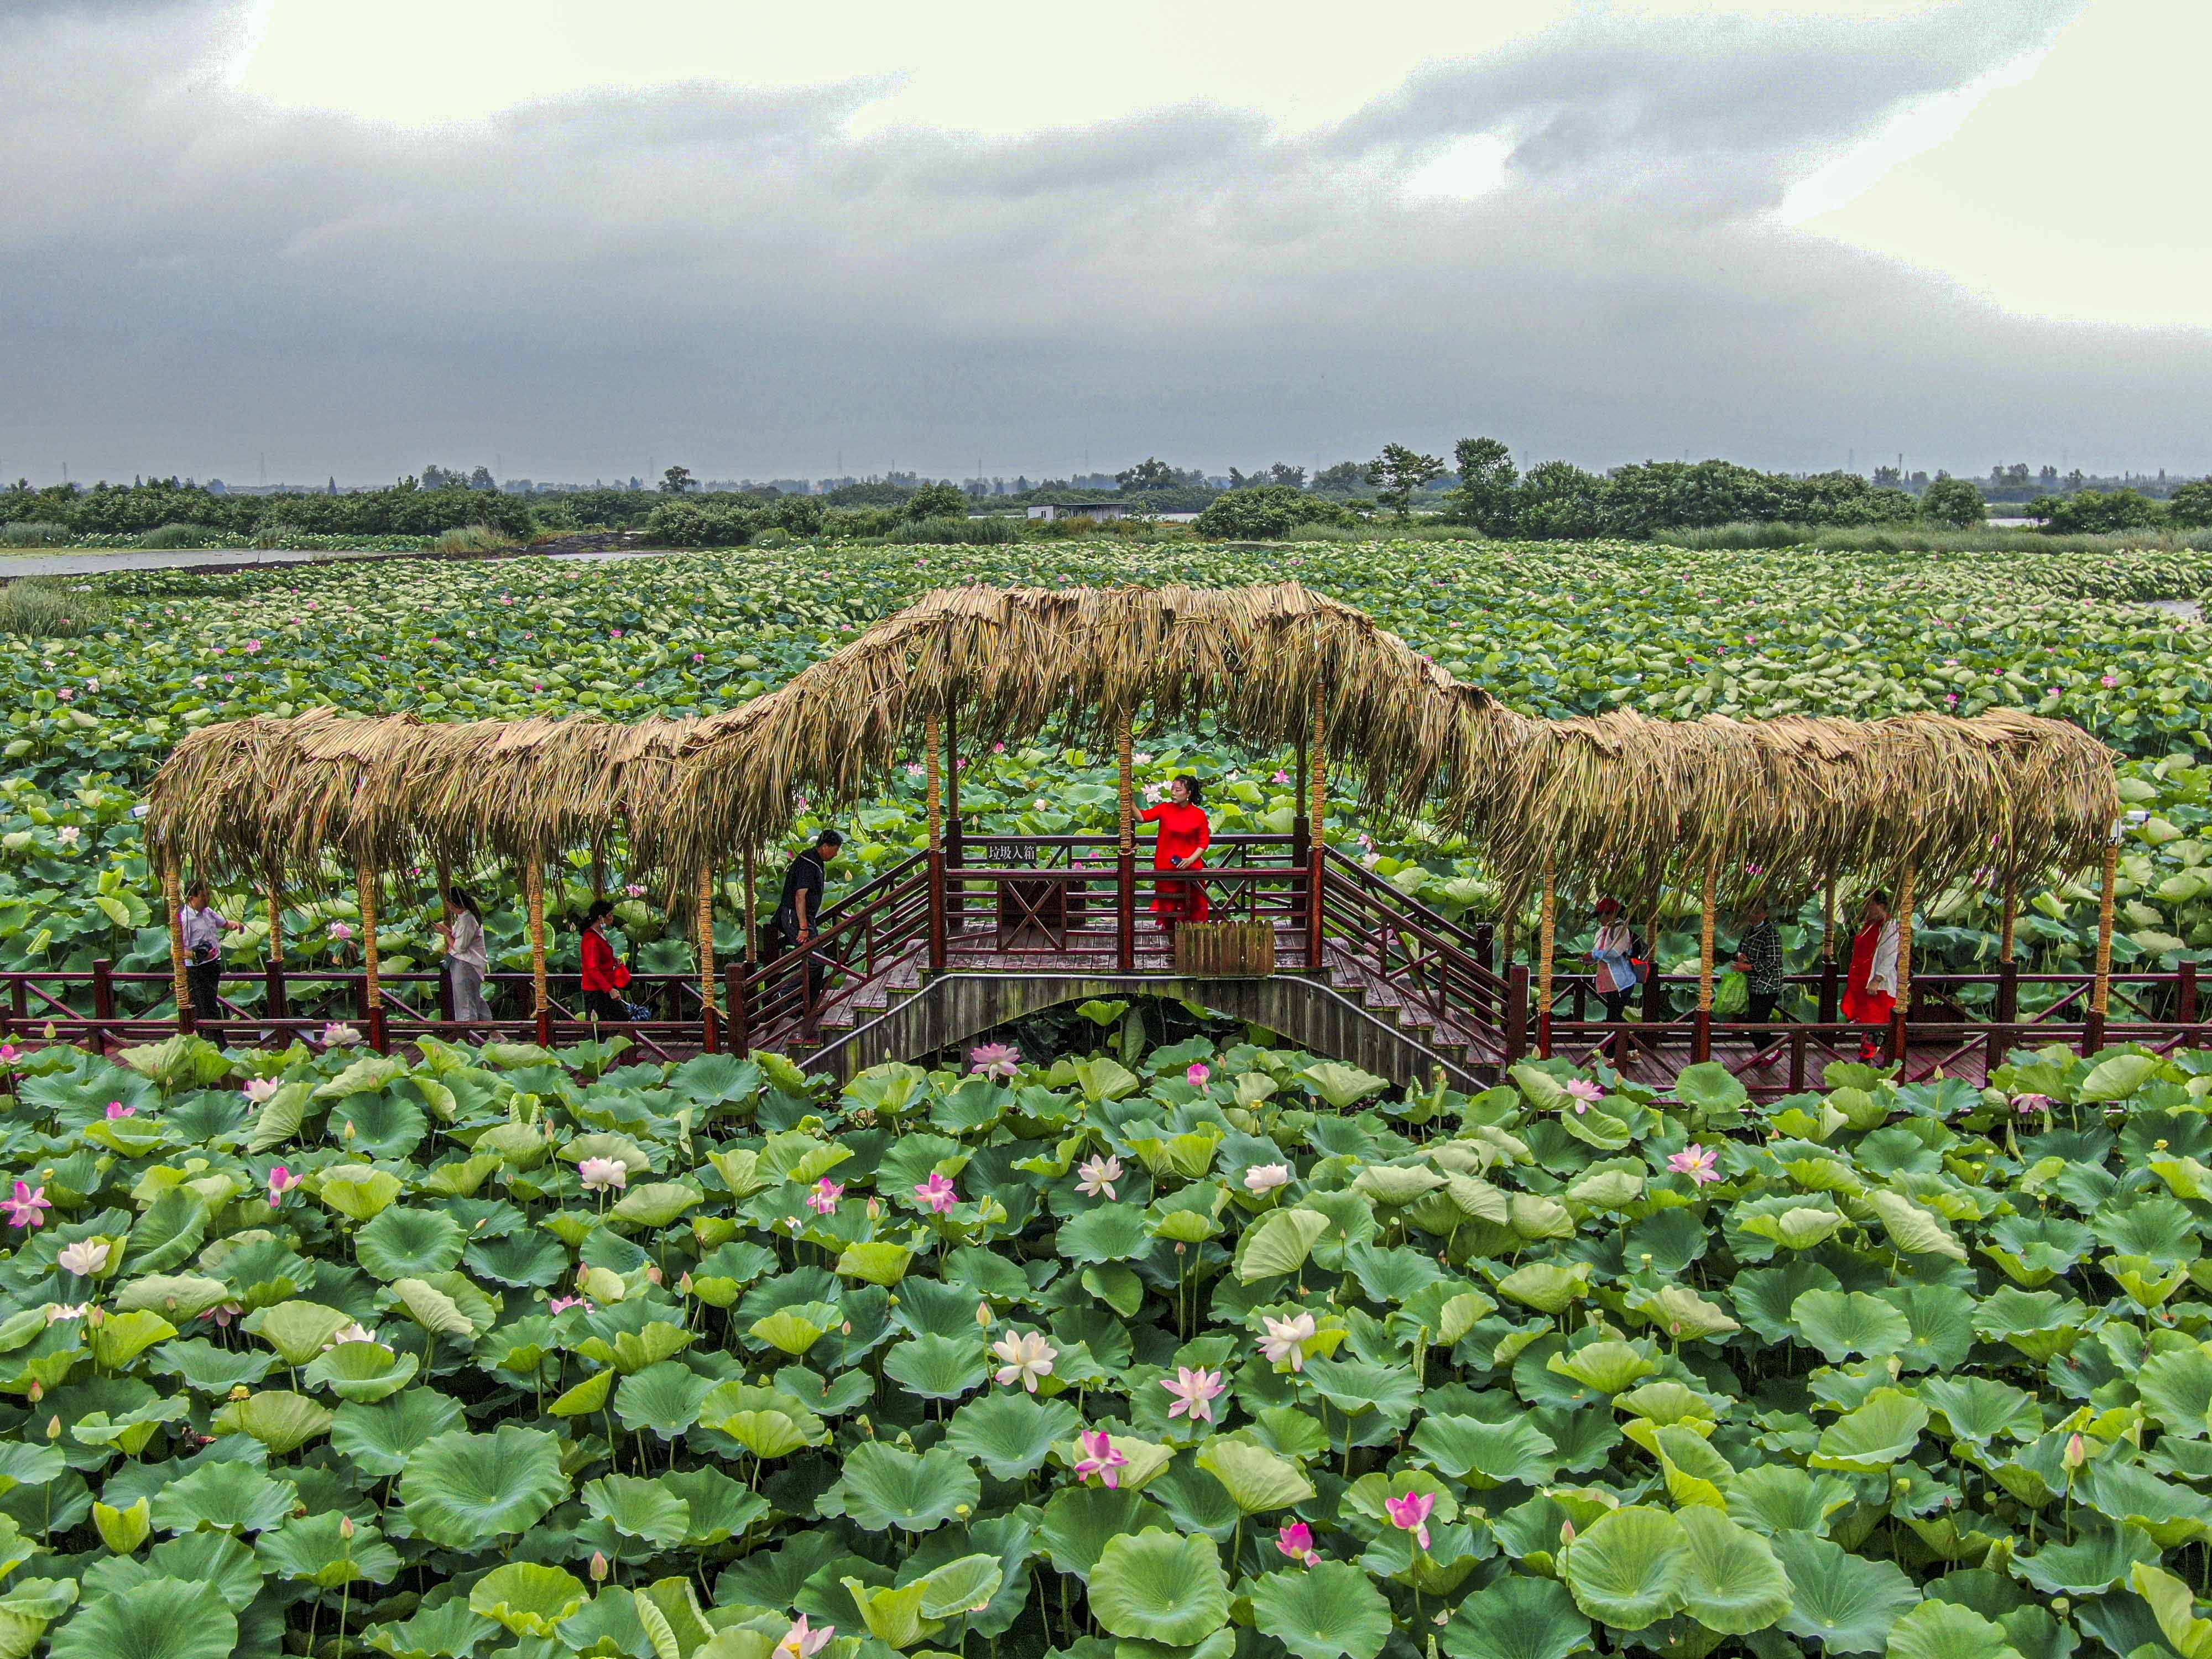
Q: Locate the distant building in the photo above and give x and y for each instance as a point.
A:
(1097, 512)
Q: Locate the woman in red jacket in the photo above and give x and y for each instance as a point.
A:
(1185, 832)
(606, 973)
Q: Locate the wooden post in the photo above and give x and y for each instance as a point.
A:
(1830, 983)
(1516, 1011)
(1125, 869)
(1702, 1041)
(172, 894)
(371, 983)
(274, 997)
(2007, 962)
(103, 991)
(1317, 836)
(2092, 1032)
(533, 888)
(752, 932)
(1546, 923)
(741, 1029)
(1899, 1033)
(2186, 994)
(703, 926)
(952, 783)
(934, 794)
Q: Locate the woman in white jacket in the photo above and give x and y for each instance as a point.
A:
(467, 956)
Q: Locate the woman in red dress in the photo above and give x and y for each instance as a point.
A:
(1185, 833)
(1870, 992)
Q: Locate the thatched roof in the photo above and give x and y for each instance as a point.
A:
(251, 796)
(1619, 802)
(1008, 661)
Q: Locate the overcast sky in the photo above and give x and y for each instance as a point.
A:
(583, 239)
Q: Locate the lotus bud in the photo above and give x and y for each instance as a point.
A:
(875, 1209)
(346, 1527)
(684, 1284)
(94, 1317)
(652, 1275)
(984, 1315)
(845, 1329)
(598, 1567)
(2077, 1453)
(54, 1426)
(242, 1392)
(1896, 1367)
(349, 1130)
(1181, 1248)
(1566, 1532)
(38, 1391)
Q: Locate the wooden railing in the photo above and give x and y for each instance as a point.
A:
(1018, 903)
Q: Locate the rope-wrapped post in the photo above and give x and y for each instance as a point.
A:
(1830, 985)
(2008, 961)
(1125, 868)
(172, 894)
(1316, 838)
(753, 933)
(1708, 901)
(935, 794)
(1899, 1036)
(2100, 991)
(371, 983)
(703, 926)
(1547, 922)
(541, 1005)
(274, 994)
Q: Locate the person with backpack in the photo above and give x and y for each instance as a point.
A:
(799, 911)
(1620, 958)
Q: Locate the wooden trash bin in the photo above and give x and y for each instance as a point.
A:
(1224, 950)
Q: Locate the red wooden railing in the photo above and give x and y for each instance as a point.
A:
(1023, 904)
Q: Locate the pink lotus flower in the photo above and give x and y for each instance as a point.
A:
(636, 889)
(2029, 1105)
(1296, 1541)
(258, 1089)
(116, 1110)
(23, 1209)
(1099, 1458)
(1194, 1393)
(801, 1642)
(1028, 1357)
(561, 1304)
(994, 1060)
(1286, 1339)
(1411, 1514)
(223, 1315)
(1198, 1073)
(281, 1182)
(1098, 1176)
(823, 1200)
(1582, 1092)
(2109, 681)
(340, 931)
(936, 1194)
(1263, 1178)
(253, 646)
(1699, 1163)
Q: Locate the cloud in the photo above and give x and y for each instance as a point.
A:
(742, 279)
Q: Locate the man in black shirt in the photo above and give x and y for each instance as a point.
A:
(799, 909)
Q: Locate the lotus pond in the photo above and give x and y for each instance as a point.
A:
(1552, 630)
(1181, 1352)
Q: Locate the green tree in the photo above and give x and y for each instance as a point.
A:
(1153, 473)
(1486, 476)
(1954, 501)
(1398, 472)
(937, 500)
(2191, 506)
(1345, 478)
(2095, 511)
(677, 481)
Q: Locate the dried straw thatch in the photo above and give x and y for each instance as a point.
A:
(1007, 662)
(253, 797)
(1617, 801)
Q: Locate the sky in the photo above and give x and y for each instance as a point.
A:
(572, 239)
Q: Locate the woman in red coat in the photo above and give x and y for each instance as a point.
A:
(1185, 833)
(606, 973)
